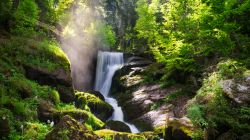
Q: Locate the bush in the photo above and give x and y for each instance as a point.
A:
(197, 115)
(25, 17)
(230, 69)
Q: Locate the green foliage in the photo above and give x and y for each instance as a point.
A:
(35, 130)
(103, 33)
(181, 33)
(211, 109)
(196, 113)
(5, 12)
(26, 16)
(230, 69)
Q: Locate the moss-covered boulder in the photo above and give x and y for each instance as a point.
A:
(97, 94)
(69, 129)
(46, 111)
(117, 126)
(114, 135)
(100, 108)
(59, 78)
(237, 89)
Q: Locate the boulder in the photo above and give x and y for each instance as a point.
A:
(117, 126)
(69, 128)
(114, 135)
(46, 111)
(59, 78)
(237, 89)
(97, 94)
(101, 109)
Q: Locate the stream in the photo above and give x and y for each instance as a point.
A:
(107, 64)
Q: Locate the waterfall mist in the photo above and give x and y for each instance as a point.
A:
(80, 42)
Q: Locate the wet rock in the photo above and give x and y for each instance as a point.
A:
(101, 109)
(117, 126)
(238, 90)
(59, 78)
(69, 128)
(97, 94)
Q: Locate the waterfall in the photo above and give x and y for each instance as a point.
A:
(107, 64)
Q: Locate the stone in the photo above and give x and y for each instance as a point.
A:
(117, 126)
(69, 128)
(46, 111)
(97, 94)
(101, 109)
(237, 90)
(59, 78)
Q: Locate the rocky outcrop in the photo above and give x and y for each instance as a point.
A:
(117, 126)
(69, 128)
(237, 89)
(97, 106)
(159, 107)
(59, 78)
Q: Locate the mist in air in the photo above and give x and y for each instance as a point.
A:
(81, 40)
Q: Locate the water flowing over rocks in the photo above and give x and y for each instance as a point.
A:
(133, 95)
(107, 64)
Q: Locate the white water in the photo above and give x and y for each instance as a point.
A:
(107, 64)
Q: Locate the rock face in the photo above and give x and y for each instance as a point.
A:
(68, 128)
(117, 126)
(133, 95)
(60, 79)
(238, 90)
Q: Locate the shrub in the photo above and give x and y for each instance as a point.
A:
(25, 17)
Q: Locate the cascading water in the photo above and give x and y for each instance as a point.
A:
(107, 64)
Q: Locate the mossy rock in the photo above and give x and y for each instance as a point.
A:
(100, 108)
(69, 129)
(117, 126)
(46, 111)
(114, 135)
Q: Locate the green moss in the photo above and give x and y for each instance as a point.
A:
(212, 109)
(35, 130)
(107, 134)
(92, 122)
(44, 54)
